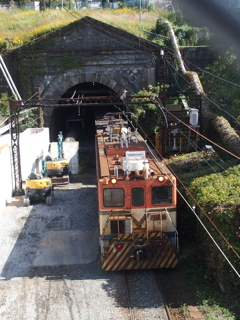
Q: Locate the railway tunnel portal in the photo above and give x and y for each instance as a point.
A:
(85, 58)
(76, 119)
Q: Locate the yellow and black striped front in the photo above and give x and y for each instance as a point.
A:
(155, 251)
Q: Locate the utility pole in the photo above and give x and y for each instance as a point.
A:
(42, 5)
(140, 10)
(40, 120)
(15, 107)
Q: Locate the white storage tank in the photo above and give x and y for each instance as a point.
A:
(193, 117)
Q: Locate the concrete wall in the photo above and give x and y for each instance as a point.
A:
(6, 185)
(70, 152)
(34, 145)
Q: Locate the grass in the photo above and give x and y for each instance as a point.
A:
(18, 26)
(211, 301)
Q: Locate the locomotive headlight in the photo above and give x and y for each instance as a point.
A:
(114, 181)
(161, 179)
(105, 180)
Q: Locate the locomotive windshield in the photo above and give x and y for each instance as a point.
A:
(161, 195)
(138, 197)
(113, 197)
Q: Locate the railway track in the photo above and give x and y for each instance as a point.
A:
(145, 297)
(178, 294)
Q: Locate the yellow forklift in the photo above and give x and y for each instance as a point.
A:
(38, 188)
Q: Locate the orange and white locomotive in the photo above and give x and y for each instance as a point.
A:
(137, 200)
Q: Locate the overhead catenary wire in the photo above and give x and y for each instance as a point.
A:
(192, 208)
(21, 111)
(230, 246)
(9, 79)
(183, 71)
(196, 148)
(213, 75)
(201, 135)
(205, 227)
(207, 97)
(135, 49)
(169, 65)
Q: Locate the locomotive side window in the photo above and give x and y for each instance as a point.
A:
(137, 197)
(161, 195)
(113, 197)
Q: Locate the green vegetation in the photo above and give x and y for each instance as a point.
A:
(215, 188)
(186, 34)
(147, 114)
(217, 196)
(221, 82)
(30, 24)
(20, 26)
(31, 120)
(4, 104)
(213, 303)
(216, 193)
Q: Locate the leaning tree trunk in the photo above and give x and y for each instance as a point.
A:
(191, 76)
(228, 135)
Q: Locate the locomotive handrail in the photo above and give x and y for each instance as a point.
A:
(176, 234)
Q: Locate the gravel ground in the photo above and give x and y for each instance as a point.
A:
(50, 261)
(145, 297)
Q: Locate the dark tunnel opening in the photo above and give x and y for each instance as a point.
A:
(76, 122)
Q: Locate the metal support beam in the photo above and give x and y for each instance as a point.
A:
(15, 107)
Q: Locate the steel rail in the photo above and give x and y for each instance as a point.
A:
(131, 311)
(163, 297)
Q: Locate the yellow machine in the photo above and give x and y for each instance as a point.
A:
(38, 188)
(57, 170)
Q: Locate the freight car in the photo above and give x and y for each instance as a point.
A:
(137, 200)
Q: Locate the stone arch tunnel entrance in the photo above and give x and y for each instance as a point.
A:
(76, 121)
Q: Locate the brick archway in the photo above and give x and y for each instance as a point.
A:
(62, 83)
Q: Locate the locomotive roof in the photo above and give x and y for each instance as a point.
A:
(113, 154)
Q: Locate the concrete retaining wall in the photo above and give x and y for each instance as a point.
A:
(6, 185)
(34, 144)
(71, 153)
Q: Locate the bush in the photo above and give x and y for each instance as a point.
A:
(218, 197)
(122, 4)
(4, 104)
(3, 44)
(185, 34)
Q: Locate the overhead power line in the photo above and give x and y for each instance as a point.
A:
(192, 208)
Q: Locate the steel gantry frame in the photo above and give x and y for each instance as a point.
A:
(16, 106)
